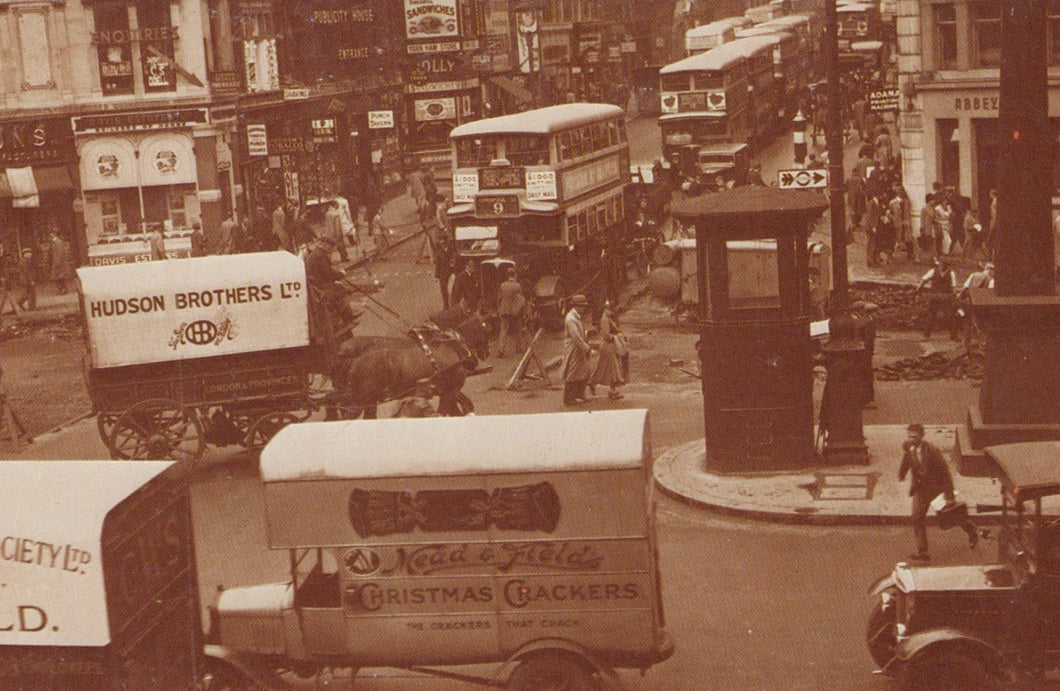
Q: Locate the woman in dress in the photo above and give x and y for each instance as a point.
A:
(609, 369)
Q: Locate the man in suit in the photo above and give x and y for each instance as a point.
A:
(929, 477)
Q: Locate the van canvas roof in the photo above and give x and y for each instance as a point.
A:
(414, 447)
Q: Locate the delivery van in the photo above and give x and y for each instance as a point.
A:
(524, 540)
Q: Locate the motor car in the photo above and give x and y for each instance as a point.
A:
(989, 625)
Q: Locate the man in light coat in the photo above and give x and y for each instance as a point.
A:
(576, 353)
(510, 305)
(333, 229)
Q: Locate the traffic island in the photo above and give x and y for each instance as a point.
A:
(833, 495)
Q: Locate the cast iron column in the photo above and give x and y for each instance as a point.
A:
(841, 409)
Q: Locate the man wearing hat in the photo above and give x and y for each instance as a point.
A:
(941, 285)
(576, 352)
(318, 269)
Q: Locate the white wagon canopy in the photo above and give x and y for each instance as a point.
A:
(193, 308)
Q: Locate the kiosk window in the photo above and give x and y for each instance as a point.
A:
(754, 275)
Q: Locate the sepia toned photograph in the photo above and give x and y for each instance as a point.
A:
(540, 345)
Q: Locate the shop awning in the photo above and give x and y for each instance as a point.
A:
(48, 179)
(505, 84)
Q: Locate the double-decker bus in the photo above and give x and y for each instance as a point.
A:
(765, 91)
(860, 34)
(787, 63)
(543, 190)
(703, 100)
(709, 36)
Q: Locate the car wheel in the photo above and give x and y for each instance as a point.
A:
(219, 676)
(881, 635)
(949, 671)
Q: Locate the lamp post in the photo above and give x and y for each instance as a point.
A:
(798, 137)
(844, 392)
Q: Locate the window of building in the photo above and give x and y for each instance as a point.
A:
(34, 49)
(945, 37)
(1054, 31)
(986, 24)
(155, 33)
(114, 49)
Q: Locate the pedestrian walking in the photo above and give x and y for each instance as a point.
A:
(926, 238)
(941, 284)
(27, 281)
(929, 476)
(156, 242)
(444, 268)
(62, 264)
(380, 233)
(227, 238)
(465, 292)
(869, 223)
(281, 225)
(943, 239)
(511, 306)
(333, 229)
(609, 364)
(576, 353)
(198, 240)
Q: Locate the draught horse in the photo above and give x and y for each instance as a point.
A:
(370, 370)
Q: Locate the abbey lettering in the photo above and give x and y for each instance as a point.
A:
(967, 103)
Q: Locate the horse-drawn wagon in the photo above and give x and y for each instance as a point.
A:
(193, 351)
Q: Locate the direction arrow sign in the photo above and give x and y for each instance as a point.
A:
(799, 179)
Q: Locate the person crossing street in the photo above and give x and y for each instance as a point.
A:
(576, 353)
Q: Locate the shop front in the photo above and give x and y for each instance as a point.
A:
(138, 174)
(38, 187)
(960, 141)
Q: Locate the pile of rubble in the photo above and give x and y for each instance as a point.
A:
(898, 307)
(937, 365)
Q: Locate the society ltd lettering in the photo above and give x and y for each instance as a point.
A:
(24, 619)
(24, 550)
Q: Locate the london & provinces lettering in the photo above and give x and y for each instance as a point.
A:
(24, 550)
(433, 559)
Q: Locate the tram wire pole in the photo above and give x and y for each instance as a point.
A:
(834, 142)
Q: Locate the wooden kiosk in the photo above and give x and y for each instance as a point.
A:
(754, 315)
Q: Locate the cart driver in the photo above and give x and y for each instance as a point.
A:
(325, 287)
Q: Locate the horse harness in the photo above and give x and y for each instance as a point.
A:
(420, 335)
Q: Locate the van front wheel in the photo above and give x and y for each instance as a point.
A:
(552, 672)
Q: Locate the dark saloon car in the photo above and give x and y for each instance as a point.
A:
(984, 626)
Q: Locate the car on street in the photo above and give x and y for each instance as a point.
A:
(982, 626)
(727, 160)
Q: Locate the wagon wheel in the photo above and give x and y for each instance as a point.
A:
(157, 429)
(105, 424)
(266, 427)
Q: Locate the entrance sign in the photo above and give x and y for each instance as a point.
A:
(802, 179)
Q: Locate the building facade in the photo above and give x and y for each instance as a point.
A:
(949, 53)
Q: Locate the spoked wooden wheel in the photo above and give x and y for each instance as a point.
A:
(266, 427)
(157, 429)
(105, 422)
